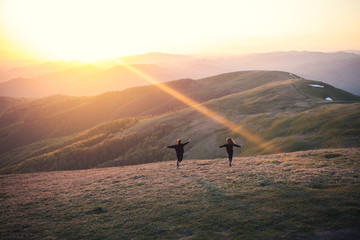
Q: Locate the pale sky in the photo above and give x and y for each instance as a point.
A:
(93, 29)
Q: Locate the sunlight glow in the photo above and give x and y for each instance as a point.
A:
(204, 110)
(89, 30)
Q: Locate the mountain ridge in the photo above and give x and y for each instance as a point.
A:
(278, 112)
(340, 69)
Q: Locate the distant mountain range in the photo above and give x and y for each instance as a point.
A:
(341, 69)
(131, 126)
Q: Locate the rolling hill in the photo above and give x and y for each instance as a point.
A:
(119, 78)
(71, 74)
(285, 111)
(85, 80)
(340, 69)
(34, 69)
(55, 116)
(301, 195)
(21, 87)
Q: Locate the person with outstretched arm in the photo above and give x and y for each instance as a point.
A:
(179, 148)
(230, 143)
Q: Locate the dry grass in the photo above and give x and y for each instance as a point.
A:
(301, 195)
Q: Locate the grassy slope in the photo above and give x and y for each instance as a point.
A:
(27, 121)
(302, 195)
(60, 153)
(277, 112)
(327, 91)
(286, 112)
(333, 125)
(38, 119)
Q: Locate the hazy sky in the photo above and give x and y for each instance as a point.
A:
(92, 29)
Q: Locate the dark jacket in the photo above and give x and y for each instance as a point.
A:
(179, 148)
(229, 147)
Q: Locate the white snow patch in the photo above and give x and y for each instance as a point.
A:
(316, 85)
(295, 76)
(328, 99)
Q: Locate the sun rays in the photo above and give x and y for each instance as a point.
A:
(236, 128)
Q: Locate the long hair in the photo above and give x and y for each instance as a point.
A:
(229, 140)
(179, 141)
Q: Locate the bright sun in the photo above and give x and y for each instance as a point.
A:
(94, 29)
(91, 30)
(81, 30)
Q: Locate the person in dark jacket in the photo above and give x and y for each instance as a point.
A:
(230, 143)
(179, 148)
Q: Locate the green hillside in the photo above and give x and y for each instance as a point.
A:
(322, 91)
(29, 120)
(276, 112)
(277, 107)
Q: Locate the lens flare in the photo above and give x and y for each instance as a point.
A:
(204, 110)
